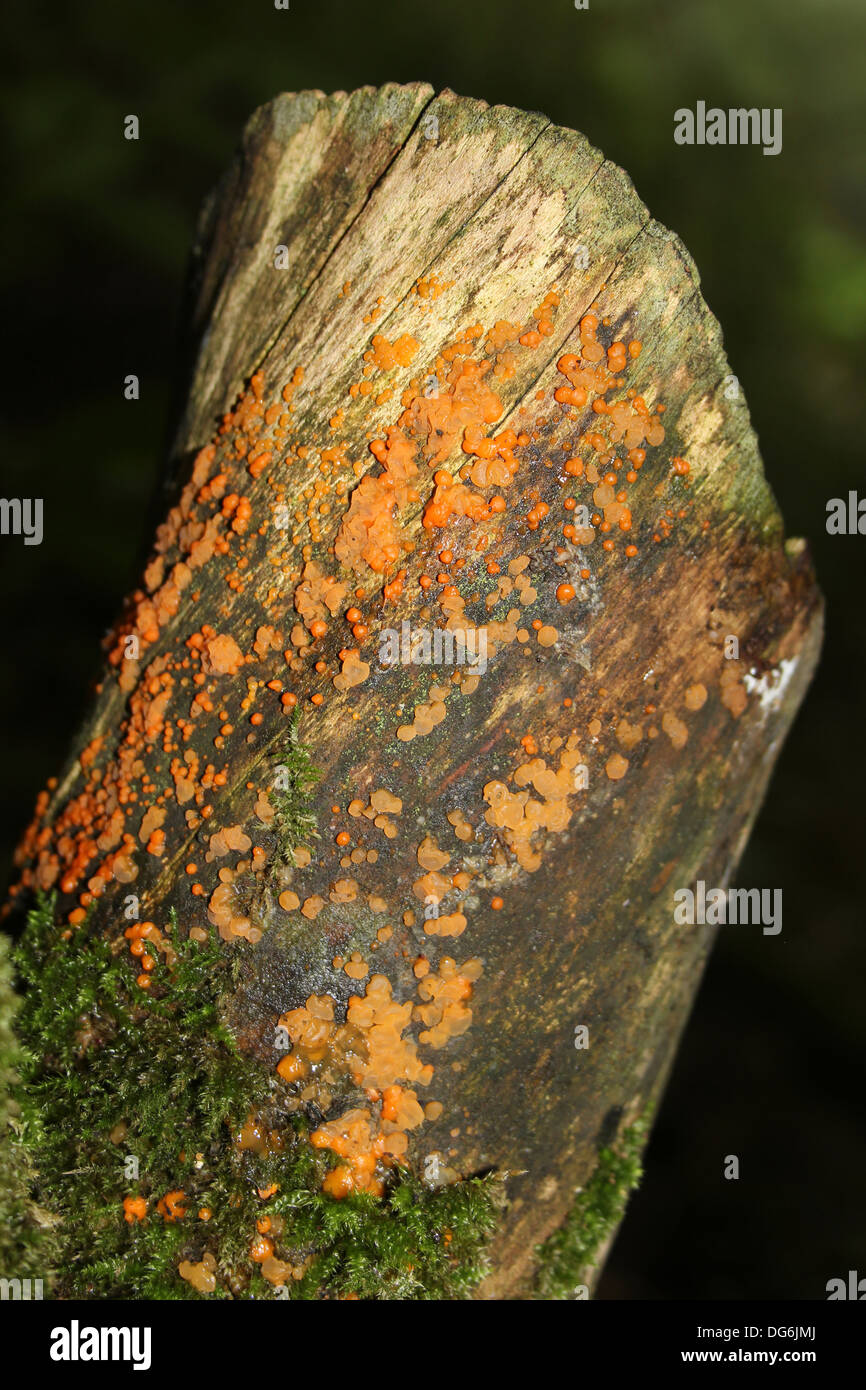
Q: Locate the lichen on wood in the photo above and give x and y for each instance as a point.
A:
(448, 381)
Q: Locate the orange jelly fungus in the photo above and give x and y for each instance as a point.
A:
(171, 1206)
(134, 1209)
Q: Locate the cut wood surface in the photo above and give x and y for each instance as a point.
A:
(516, 833)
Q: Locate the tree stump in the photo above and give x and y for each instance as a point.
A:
(453, 393)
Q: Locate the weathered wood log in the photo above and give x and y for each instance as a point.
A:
(447, 373)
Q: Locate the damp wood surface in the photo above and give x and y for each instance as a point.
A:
(451, 232)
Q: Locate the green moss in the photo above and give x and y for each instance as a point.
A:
(26, 1244)
(566, 1257)
(412, 1244)
(295, 776)
(115, 1073)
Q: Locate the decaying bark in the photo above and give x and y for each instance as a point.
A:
(640, 743)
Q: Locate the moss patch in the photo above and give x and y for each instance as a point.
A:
(116, 1075)
(295, 776)
(566, 1256)
(26, 1244)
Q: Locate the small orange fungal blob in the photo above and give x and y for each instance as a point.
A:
(134, 1209)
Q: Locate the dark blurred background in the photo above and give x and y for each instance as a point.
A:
(95, 236)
